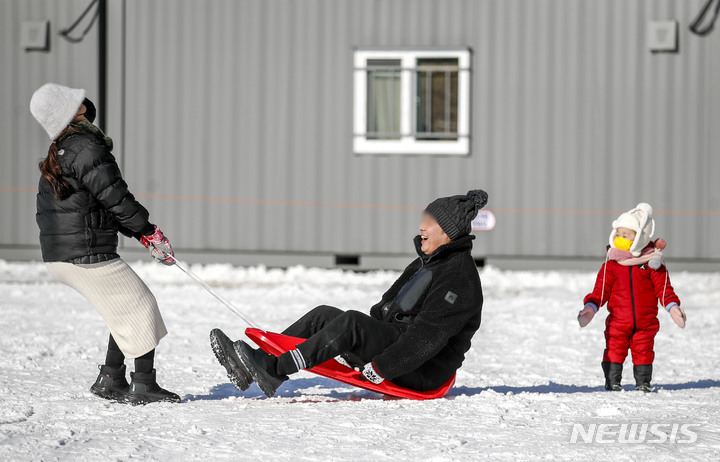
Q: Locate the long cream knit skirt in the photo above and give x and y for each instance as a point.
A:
(122, 299)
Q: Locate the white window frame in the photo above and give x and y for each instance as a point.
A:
(408, 144)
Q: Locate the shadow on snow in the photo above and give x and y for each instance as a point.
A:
(315, 389)
(553, 387)
(320, 389)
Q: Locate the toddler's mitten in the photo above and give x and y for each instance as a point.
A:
(678, 315)
(586, 314)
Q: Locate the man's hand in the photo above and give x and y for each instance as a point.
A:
(371, 374)
(159, 246)
(586, 315)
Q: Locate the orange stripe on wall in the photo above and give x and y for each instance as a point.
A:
(239, 200)
(598, 212)
(16, 189)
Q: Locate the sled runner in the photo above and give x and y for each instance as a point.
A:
(277, 344)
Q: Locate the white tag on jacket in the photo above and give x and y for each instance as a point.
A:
(450, 297)
(61, 152)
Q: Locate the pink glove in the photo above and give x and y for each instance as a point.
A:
(160, 248)
(586, 315)
(678, 315)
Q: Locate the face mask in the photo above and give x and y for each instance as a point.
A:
(622, 244)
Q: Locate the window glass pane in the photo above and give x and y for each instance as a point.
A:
(383, 99)
(436, 108)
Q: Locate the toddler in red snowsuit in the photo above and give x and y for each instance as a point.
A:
(632, 281)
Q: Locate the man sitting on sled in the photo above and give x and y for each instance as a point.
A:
(415, 337)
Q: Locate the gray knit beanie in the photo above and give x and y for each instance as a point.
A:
(455, 214)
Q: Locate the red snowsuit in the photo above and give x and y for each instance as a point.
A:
(632, 294)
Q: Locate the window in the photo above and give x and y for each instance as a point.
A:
(412, 102)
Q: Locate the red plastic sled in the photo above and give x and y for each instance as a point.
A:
(277, 344)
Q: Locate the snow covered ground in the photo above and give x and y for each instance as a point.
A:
(531, 375)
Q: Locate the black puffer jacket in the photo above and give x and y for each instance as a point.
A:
(439, 320)
(83, 228)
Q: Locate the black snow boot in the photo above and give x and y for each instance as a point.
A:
(613, 375)
(144, 389)
(643, 375)
(111, 383)
(260, 367)
(228, 358)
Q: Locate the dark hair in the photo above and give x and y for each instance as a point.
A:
(51, 170)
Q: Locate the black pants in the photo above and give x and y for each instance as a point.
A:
(331, 332)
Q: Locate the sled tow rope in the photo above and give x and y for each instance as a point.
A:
(215, 294)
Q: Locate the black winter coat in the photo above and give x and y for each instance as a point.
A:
(440, 319)
(83, 228)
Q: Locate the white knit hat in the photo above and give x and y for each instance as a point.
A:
(55, 106)
(639, 220)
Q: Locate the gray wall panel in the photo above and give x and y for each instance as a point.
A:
(237, 123)
(24, 143)
(571, 115)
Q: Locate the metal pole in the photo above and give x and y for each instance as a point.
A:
(102, 65)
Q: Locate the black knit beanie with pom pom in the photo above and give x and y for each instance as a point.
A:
(455, 214)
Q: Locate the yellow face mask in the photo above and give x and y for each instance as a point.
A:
(623, 244)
